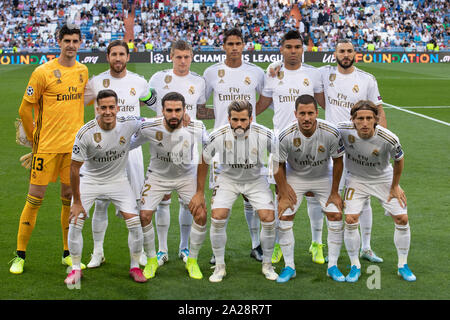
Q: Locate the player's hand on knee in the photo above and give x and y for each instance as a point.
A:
(336, 199)
(197, 203)
(77, 211)
(26, 160)
(397, 192)
(284, 203)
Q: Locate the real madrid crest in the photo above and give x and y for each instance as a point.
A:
(332, 78)
(221, 74)
(355, 89)
(280, 75)
(159, 135)
(167, 80)
(228, 144)
(122, 140)
(106, 83)
(351, 139)
(132, 92)
(306, 82)
(247, 80)
(81, 78)
(97, 137)
(191, 90)
(57, 74)
(376, 152)
(321, 148)
(297, 142)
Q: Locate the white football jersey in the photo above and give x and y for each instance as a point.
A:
(105, 152)
(230, 84)
(241, 159)
(309, 157)
(191, 86)
(130, 90)
(286, 87)
(368, 160)
(172, 154)
(342, 91)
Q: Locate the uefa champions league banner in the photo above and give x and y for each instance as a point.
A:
(219, 56)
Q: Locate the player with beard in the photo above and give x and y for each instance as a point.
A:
(345, 85)
(172, 168)
(133, 92)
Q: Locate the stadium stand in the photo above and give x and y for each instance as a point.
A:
(392, 25)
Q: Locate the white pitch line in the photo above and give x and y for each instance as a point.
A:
(426, 107)
(418, 114)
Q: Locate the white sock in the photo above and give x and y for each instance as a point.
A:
(365, 221)
(267, 240)
(75, 242)
(402, 240)
(148, 233)
(316, 219)
(135, 240)
(352, 241)
(218, 236)
(334, 241)
(185, 220)
(99, 224)
(253, 223)
(198, 235)
(162, 221)
(277, 220)
(287, 242)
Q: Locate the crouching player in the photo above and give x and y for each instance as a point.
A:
(369, 148)
(101, 151)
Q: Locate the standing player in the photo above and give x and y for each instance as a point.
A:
(133, 92)
(192, 86)
(306, 147)
(294, 78)
(55, 94)
(172, 168)
(233, 80)
(344, 85)
(369, 148)
(242, 146)
(101, 150)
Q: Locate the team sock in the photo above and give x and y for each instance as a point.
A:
(27, 221)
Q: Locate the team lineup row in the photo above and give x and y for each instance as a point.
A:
(236, 144)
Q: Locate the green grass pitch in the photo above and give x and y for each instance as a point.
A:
(425, 180)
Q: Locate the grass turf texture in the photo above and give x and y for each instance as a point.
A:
(425, 181)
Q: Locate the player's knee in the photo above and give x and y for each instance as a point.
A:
(401, 219)
(267, 215)
(351, 218)
(200, 217)
(334, 216)
(146, 217)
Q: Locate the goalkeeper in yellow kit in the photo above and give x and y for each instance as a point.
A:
(55, 94)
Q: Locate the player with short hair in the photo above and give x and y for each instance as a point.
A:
(293, 79)
(172, 168)
(55, 94)
(192, 86)
(369, 149)
(344, 85)
(230, 80)
(306, 147)
(133, 92)
(99, 158)
(242, 146)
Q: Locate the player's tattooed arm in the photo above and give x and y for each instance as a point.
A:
(262, 104)
(204, 113)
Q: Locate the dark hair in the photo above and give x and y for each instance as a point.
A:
(116, 43)
(69, 28)
(343, 40)
(102, 94)
(363, 105)
(180, 45)
(240, 105)
(232, 32)
(305, 99)
(291, 34)
(173, 96)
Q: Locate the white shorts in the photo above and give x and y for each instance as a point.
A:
(320, 187)
(155, 189)
(119, 193)
(135, 171)
(257, 192)
(356, 194)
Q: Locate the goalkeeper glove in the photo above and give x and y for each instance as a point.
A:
(26, 160)
(21, 137)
